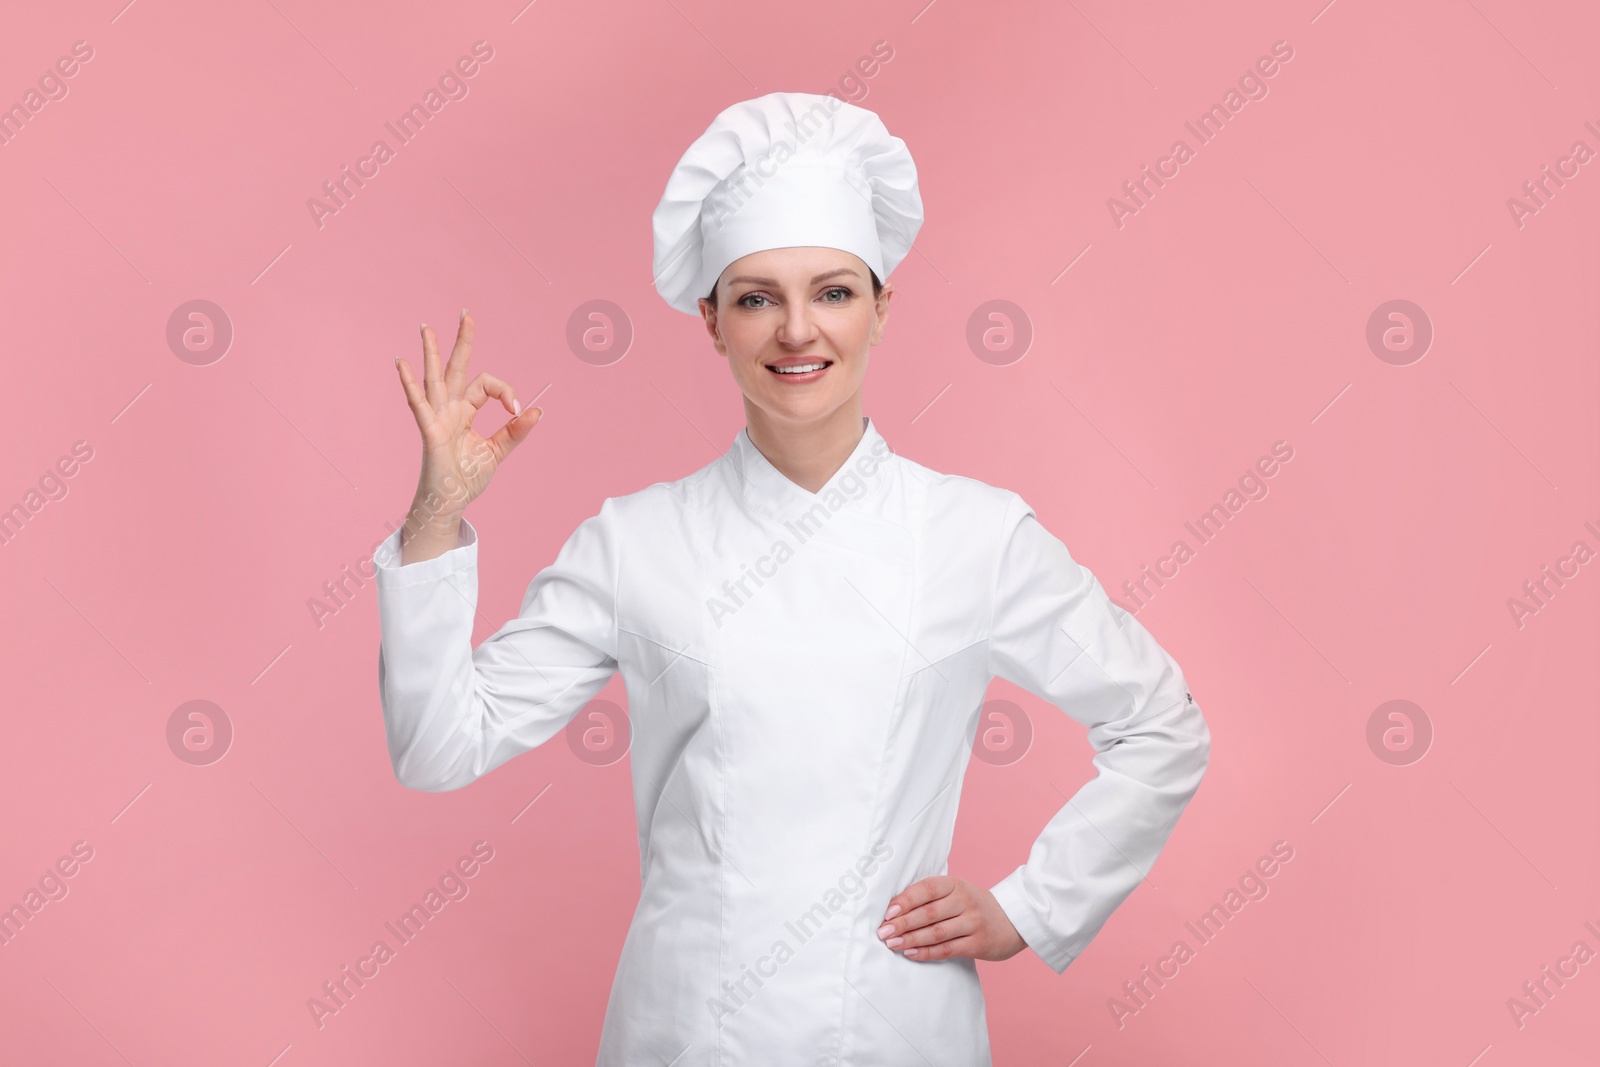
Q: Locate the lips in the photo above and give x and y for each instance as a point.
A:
(798, 377)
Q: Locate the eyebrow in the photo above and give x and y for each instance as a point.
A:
(773, 281)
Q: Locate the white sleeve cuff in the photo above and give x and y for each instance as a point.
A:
(391, 574)
(1012, 896)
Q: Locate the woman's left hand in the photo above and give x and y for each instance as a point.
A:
(940, 917)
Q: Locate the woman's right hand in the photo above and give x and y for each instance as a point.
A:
(456, 462)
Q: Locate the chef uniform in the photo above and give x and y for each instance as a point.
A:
(804, 677)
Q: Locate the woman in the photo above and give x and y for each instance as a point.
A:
(806, 629)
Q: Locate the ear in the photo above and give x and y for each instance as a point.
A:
(708, 313)
(881, 310)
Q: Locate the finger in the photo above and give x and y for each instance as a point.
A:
(432, 376)
(957, 946)
(918, 893)
(934, 932)
(928, 915)
(455, 374)
(515, 432)
(486, 385)
(415, 396)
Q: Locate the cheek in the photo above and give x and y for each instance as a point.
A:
(853, 339)
(744, 341)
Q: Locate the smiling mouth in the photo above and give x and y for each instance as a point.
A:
(801, 372)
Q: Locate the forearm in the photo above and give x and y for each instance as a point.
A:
(453, 713)
(1102, 843)
(433, 524)
(426, 674)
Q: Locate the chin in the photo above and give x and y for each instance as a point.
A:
(798, 408)
(801, 403)
(800, 411)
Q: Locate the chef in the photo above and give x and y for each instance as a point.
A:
(806, 628)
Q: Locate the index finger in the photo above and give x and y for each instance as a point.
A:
(919, 893)
(455, 373)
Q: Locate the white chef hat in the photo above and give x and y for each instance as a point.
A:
(778, 171)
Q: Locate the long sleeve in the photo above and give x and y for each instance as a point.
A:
(453, 713)
(1055, 633)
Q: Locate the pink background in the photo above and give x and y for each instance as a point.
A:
(1227, 314)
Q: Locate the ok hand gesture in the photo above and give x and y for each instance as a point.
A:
(457, 463)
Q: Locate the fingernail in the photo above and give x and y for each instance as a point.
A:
(911, 952)
(895, 941)
(885, 930)
(540, 411)
(396, 361)
(892, 912)
(516, 406)
(421, 327)
(463, 312)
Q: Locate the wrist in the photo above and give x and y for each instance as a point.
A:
(428, 521)
(425, 537)
(433, 509)
(419, 525)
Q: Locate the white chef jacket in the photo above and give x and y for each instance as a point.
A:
(804, 678)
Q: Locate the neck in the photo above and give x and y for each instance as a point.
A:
(807, 453)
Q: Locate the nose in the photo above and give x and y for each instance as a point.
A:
(797, 328)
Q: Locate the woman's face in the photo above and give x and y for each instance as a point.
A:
(797, 306)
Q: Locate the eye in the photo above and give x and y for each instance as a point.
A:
(846, 292)
(751, 296)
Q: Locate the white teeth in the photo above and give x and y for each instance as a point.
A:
(800, 368)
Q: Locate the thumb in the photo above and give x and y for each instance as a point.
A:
(514, 432)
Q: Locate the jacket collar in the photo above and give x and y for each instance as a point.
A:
(860, 478)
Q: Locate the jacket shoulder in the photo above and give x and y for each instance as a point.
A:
(643, 508)
(972, 500)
